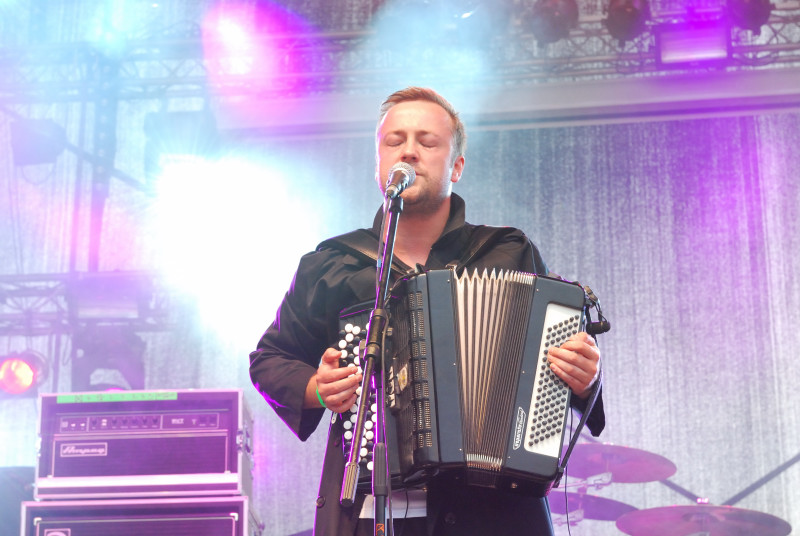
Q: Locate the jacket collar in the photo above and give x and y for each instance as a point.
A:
(455, 220)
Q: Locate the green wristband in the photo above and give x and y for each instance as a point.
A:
(319, 397)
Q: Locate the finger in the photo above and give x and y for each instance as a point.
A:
(577, 385)
(580, 339)
(340, 395)
(344, 405)
(574, 364)
(579, 370)
(329, 363)
(331, 357)
(582, 336)
(339, 380)
(576, 350)
(327, 376)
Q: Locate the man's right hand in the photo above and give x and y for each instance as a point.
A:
(337, 385)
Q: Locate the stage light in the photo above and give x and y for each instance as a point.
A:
(692, 43)
(108, 358)
(261, 41)
(627, 19)
(551, 20)
(749, 14)
(21, 373)
(185, 133)
(259, 192)
(36, 141)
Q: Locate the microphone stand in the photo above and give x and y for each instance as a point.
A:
(376, 330)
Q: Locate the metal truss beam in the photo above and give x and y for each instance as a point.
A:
(41, 305)
(346, 62)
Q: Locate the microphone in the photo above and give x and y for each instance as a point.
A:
(401, 176)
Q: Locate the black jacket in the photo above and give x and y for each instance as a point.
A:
(333, 278)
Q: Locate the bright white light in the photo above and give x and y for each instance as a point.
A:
(232, 34)
(230, 233)
(233, 44)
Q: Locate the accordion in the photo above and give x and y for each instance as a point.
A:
(470, 391)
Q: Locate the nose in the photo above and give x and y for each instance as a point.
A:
(410, 152)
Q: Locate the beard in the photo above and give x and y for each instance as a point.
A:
(426, 197)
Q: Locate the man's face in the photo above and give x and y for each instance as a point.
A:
(420, 134)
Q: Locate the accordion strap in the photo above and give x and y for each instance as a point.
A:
(362, 244)
(482, 238)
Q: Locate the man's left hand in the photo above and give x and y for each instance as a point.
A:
(577, 362)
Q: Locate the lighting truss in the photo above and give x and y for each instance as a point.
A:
(37, 305)
(344, 62)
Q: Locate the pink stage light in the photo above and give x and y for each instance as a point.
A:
(263, 45)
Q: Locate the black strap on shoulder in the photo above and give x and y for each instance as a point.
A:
(483, 237)
(360, 243)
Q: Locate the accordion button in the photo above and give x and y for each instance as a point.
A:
(348, 328)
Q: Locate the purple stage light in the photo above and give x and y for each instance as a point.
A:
(264, 45)
(692, 43)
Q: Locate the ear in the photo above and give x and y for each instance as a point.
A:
(458, 169)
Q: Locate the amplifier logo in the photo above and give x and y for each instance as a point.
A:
(83, 450)
(57, 532)
(519, 428)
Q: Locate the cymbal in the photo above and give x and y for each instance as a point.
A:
(701, 519)
(594, 507)
(624, 463)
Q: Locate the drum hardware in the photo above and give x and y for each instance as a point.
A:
(575, 507)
